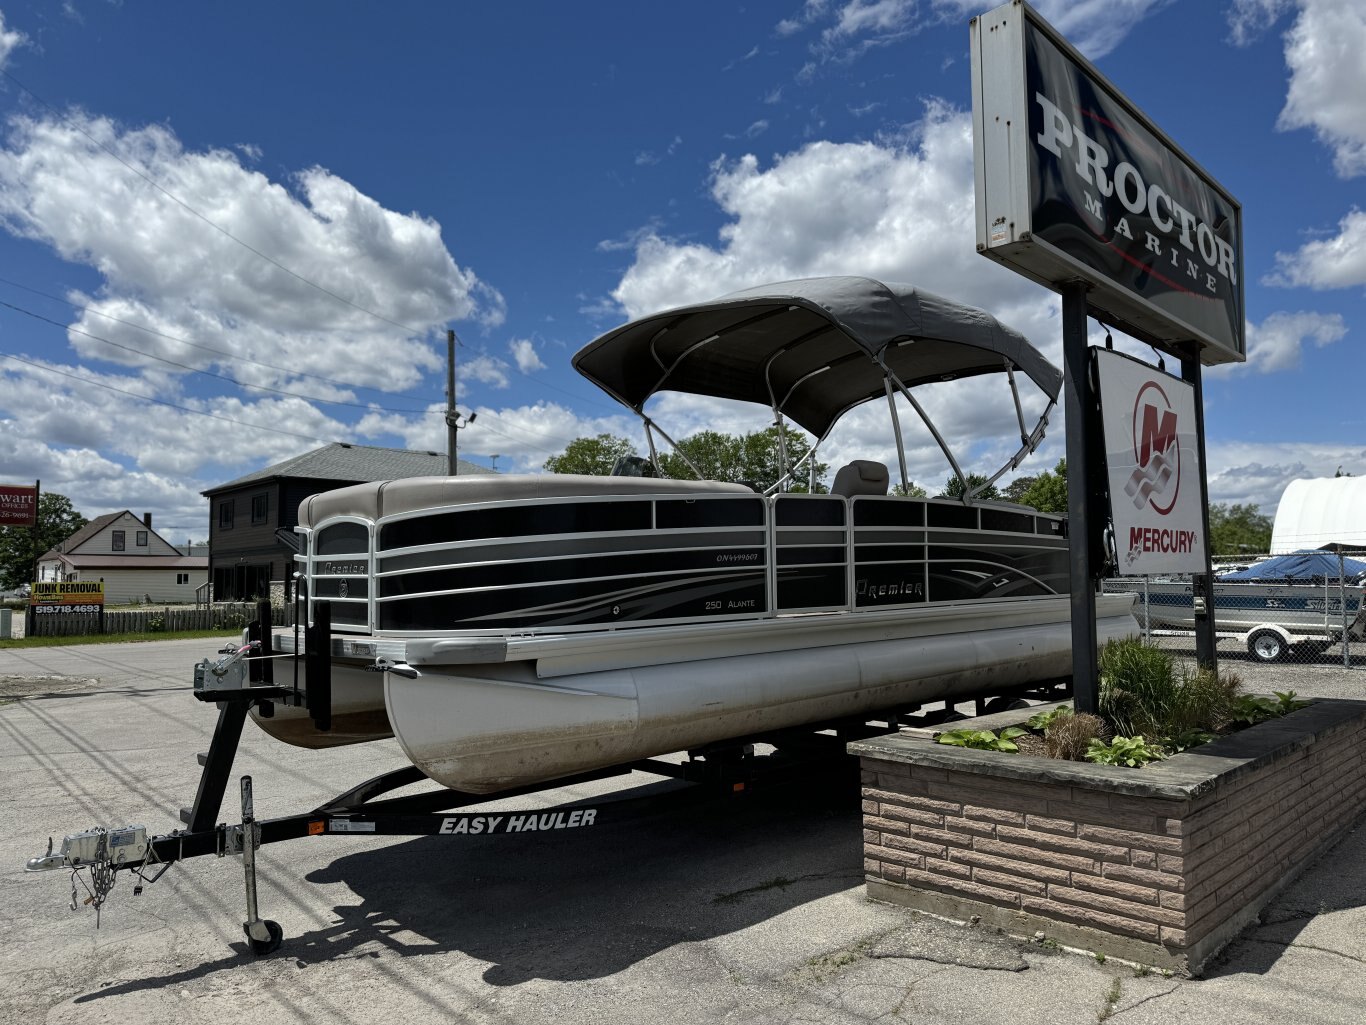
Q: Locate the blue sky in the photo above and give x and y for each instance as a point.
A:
(290, 203)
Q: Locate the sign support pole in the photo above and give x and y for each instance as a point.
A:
(33, 541)
(1079, 398)
(1202, 583)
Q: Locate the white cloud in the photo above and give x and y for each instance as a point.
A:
(901, 211)
(524, 353)
(1337, 262)
(1327, 91)
(1243, 472)
(105, 449)
(486, 370)
(10, 40)
(757, 129)
(1094, 26)
(1248, 19)
(872, 18)
(1275, 344)
(164, 267)
(811, 11)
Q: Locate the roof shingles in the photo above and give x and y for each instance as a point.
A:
(359, 463)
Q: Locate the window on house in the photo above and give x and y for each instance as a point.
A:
(182, 578)
(118, 540)
(260, 506)
(142, 539)
(225, 515)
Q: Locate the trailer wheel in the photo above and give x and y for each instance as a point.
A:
(268, 945)
(1266, 646)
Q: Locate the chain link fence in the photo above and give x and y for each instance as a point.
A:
(1317, 619)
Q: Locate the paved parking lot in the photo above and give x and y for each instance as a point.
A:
(748, 911)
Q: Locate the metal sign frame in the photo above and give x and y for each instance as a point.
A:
(1074, 182)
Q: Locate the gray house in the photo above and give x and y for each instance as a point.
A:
(246, 560)
(134, 561)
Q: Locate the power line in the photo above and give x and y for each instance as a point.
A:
(159, 402)
(185, 341)
(525, 440)
(210, 373)
(212, 224)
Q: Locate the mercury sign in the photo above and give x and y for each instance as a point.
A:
(1074, 182)
(1153, 464)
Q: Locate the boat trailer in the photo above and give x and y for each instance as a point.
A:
(243, 678)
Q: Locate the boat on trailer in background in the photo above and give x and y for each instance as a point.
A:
(510, 630)
(1294, 605)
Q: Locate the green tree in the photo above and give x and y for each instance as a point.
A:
(1234, 529)
(911, 490)
(763, 459)
(953, 488)
(717, 456)
(1048, 491)
(1016, 489)
(753, 457)
(595, 456)
(19, 546)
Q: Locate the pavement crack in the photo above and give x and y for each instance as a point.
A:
(1149, 999)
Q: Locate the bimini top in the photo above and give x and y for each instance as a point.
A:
(812, 348)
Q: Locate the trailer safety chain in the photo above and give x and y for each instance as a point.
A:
(102, 879)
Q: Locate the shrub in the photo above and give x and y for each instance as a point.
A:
(156, 624)
(1070, 736)
(983, 740)
(1131, 751)
(1144, 693)
(1042, 720)
(1136, 685)
(1202, 700)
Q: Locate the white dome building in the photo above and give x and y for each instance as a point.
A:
(1318, 512)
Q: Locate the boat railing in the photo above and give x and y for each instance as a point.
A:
(579, 563)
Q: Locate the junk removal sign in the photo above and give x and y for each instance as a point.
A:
(1153, 465)
(65, 597)
(18, 505)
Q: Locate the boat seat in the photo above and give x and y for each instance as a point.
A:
(860, 477)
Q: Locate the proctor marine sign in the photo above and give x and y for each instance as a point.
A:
(18, 505)
(1074, 182)
(1152, 458)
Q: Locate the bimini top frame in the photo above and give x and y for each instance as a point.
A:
(814, 348)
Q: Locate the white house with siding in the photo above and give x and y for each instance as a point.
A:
(134, 561)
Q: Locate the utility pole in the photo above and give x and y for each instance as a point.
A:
(454, 421)
(452, 463)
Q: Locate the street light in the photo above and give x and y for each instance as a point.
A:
(455, 420)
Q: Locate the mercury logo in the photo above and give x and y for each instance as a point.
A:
(1155, 451)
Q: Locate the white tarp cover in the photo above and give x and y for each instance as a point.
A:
(1320, 511)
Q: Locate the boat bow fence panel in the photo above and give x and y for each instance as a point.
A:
(573, 562)
(583, 562)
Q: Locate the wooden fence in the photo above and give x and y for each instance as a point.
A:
(225, 616)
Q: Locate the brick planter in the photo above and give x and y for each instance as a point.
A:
(1161, 865)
